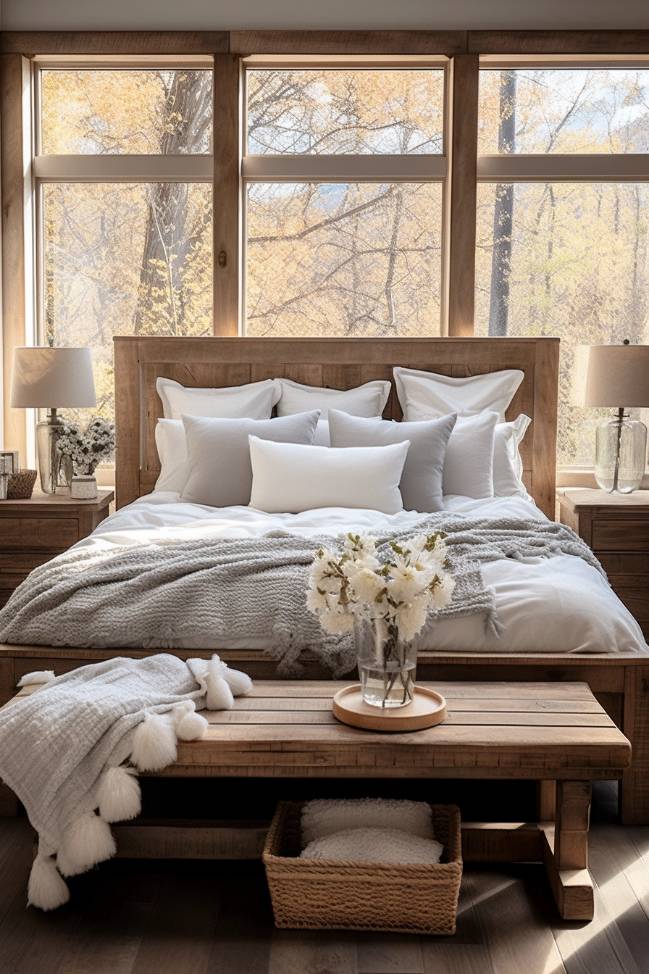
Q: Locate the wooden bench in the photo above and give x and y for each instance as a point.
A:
(554, 733)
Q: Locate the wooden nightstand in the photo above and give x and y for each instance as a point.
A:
(33, 531)
(616, 527)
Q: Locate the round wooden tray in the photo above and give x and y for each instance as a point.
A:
(427, 709)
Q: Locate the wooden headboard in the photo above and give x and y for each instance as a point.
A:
(339, 363)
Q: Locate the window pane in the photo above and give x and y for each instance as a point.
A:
(121, 259)
(564, 110)
(325, 111)
(569, 260)
(343, 259)
(115, 112)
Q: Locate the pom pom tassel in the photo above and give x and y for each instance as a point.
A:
(119, 795)
(154, 744)
(87, 841)
(238, 681)
(46, 888)
(189, 725)
(219, 694)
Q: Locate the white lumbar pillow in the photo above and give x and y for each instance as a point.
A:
(367, 400)
(508, 463)
(427, 395)
(255, 400)
(289, 478)
(468, 467)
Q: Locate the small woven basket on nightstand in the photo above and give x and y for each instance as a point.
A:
(21, 485)
(320, 894)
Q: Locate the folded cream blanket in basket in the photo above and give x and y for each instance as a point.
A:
(325, 816)
(63, 748)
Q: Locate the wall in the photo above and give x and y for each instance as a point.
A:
(352, 14)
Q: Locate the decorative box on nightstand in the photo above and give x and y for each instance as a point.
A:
(616, 527)
(33, 531)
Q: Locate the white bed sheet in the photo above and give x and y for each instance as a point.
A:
(554, 605)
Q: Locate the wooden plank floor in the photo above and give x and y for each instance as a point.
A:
(215, 918)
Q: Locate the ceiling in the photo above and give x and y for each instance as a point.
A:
(350, 14)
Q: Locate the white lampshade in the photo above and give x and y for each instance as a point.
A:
(611, 375)
(52, 378)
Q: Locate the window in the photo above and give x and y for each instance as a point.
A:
(562, 227)
(344, 183)
(123, 175)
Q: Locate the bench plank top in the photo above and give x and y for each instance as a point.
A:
(498, 729)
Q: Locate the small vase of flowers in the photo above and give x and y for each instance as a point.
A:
(385, 602)
(84, 451)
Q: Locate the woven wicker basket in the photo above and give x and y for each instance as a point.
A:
(21, 485)
(362, 896)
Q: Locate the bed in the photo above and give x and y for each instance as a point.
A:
(580, 617)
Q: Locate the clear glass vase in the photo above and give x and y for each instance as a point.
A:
(387, 665)
(620, 453)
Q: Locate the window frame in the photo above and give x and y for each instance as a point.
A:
(464, 52)
(347, 167)
(518, 167)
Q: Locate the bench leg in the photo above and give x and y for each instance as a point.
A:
(565, 851)
(546, 797)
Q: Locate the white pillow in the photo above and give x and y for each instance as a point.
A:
(219, 454)
(468, 468)
(421, 481)
(367, 400)
(255, 400)
(508, 464)
(426, 395)
(171, 443)
(287, 478)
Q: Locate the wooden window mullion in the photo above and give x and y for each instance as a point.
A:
(461, 210)
(226, 199)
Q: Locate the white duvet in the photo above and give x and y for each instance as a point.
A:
(553, 605)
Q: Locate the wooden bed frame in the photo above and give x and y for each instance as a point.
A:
(621, 683)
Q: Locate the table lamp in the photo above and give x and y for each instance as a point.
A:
(616, 376)
(51, 378)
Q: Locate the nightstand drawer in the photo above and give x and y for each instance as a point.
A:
(620, 563)
(621, 533)
(636, 599)
(38, 532)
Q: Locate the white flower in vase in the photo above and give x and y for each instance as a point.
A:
(386, 600)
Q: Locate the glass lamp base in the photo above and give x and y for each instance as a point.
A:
(620, 453)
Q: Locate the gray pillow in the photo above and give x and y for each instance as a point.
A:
(218, 454)
(421, 481)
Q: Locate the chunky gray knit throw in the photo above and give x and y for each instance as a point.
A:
(62, 751)
(172, 595)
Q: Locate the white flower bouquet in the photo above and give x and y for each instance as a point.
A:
(86, 450)
(385, 602)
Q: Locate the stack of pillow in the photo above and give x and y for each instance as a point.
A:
(331, 448)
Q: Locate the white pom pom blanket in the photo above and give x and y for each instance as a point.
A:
(63, 751)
